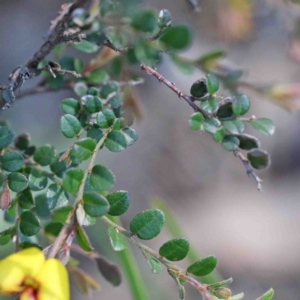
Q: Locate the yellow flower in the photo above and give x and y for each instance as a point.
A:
(29, 273)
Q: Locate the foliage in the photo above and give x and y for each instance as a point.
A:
(49, 194)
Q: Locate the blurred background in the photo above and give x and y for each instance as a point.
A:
(255, 236)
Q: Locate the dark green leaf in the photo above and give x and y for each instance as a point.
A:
(25, 199)
(240, 105)
(12, 161)
(199, 88)
(6, 136)
(147, 224)
(259, 159)
(248, 142)
(83, 240)
(264, 125)
(230, 142)
(203, 267)
(196, 121)
(70, 106)
(144, 20)
(53, 228)
(83, 149)
(72, 180)
(225, 112)
(211, 125)
(97, 76)
(41, 206)
(37, 180)
(17, 182)
(95, 204)
(70, 126)
(6, 235)
(22, 141)
(117, 240)
(145, 52)
(95, 133)
(210, 105)
(119, 203)
(86, 46)
(92, 104)
(56, 196)
(211, 57)
(176, 37)
(29, 223)
(174, 250)
(101, 178)
(219, 135)
(60, 215)
(212, 83)
(58, 167)
(44, 155)
(105, 118)
(234, 126)
(115, 141)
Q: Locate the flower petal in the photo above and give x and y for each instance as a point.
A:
(54, 282)
(15, 267)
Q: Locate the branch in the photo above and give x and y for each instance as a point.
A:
(249, 169)
(189, 99)
(177, 271)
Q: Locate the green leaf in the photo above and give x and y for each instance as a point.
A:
(230, 142)
(41, 207)
(25, 199)
(210, 105)
(174, 250)
(80, 89)
(147, 224)
(70, 106)
(17, 182)
(105, 118)
(56, 196)
(83, 149)
(97, 76)
(211, 125)
(196, 120)
(248, 142)
(130, 136)
(144, 20)
(180, 287)
(199, 88)
(264, 125)
(267, 296)
(219, 135)
(95, 134)
(210, 57)
(203, 267)
(60, 215)
(70, 126)
(182, 64)
(177, 37)
(115, 141)
(117, 240)
(78, 66)
(92, 104)
(11, 161)
(225, 112)
(95, 204)
(212, 83)
(234, 126)
(86, 46)
(101, 178)
(53, 228)
(72, 180)
(22, 141)
(220, 284)
(83, 240)
(119, 203)
(6, 235)
(240, 105)
(29, 223)
(6, 136)
(83, 218)
(37, 180)
(44, 155)
(58, 167)
(153, 262)
(111, 90)
(145, 52)
(259, 159)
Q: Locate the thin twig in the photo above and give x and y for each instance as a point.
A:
(249, 169)
(177, 271)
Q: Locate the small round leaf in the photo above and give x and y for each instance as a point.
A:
(130, 136)
(115, 141)
(196, 120)
(72, 180)
(29, 223)
(95, 204)
(240, 105)
(203, 267)
(259, 159)
(199, 88)
(70, 106)
(44, 155)
(17, 182)
(12, 161)
(105, 118)
(264, 125)
(174, 250)
(101, 178)
(119, 203)
(230, 142)
(70, 126)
